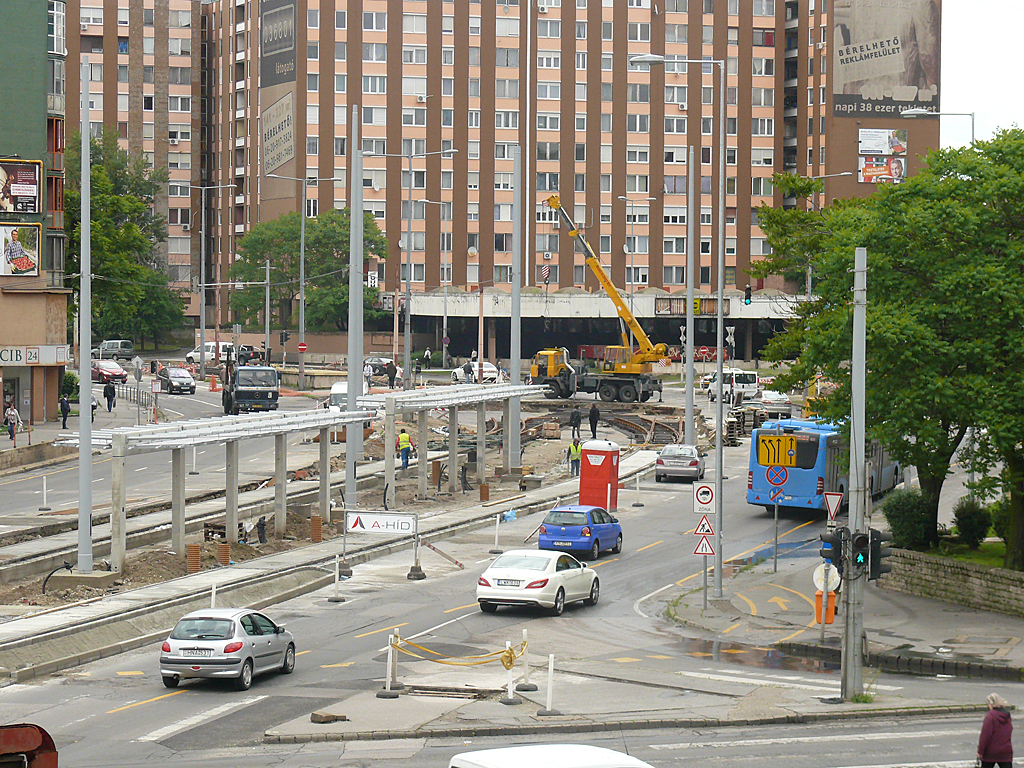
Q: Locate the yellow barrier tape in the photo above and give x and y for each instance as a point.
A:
(507, 657)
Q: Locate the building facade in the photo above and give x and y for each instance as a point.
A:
(33, 299)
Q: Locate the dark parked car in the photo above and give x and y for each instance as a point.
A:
(379, 365)
(581, 528)
(108, 370)
(176, 380)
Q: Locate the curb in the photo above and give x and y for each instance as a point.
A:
(595, 726)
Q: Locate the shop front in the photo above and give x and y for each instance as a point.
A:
(31, 379)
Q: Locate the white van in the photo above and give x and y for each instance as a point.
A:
(210, 353)
(339, 394)
(736, 381)
(546, 756)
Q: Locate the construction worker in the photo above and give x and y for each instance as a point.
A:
(405, 446)
(575, 420)
(575, 454)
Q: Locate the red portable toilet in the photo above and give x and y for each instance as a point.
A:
(599, 474)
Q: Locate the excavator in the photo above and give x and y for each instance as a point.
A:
(624, 375)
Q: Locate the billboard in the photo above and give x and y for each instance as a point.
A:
(19, 186)
(882, 141)
(277, 42)
(20, 243)
(885, 57)
(278, 127)
(875, 169)
(277, 95)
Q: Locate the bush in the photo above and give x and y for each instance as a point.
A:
(999, 510)
(972, 521)
(69, 386)
(908, 518)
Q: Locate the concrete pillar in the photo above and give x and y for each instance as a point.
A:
(506, 438)
(421, 444)
(481, 442)
(389, 451)
(491, 328)
(325, 473)
(453, 448)
(231, 490)
(118, 502)
(178, 501)
(748, 341)
(280, 484)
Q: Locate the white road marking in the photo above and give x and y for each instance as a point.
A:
(432, 629)
(636, 605)
(143, 469)
(830, 737)
(188, 722)
(176, 413)
(760, 681)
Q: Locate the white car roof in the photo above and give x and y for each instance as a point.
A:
(547, 756)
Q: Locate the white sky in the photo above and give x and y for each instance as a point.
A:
(980, 56)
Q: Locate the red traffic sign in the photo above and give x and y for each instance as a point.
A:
(704, 547)
(776, 475)
(832, 502)
(704, 527)
(302, 346)
(775, 494)
(703, 352)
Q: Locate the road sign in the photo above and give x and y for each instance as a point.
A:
(137, 373)
(446, 341)
(156, 386)
(704, 527)
(705, 547)
(775, 495)
(819, 578)
(703, 352)
(302, 346)
(703, 499)
(137, 363)
(776, 475)
(776, 450)
(832, 502)
(378, 522)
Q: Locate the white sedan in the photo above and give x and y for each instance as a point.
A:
(541, 578)
(776, 403)
(490, 373)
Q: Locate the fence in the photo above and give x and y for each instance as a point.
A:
(135, 393)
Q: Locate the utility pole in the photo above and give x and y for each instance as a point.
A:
(354, 432)
(85, 345)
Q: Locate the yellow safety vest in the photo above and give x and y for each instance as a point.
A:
(575, 452)
(404, 441)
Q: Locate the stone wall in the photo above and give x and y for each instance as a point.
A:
(987, 589)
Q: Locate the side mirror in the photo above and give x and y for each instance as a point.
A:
(279, 629)
(615, 519)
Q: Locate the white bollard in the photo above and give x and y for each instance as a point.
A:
(638, 503)
(497, 523)
(337, 579)
(213, 596)
(194, 470)
(510, 693)
(387, 693)
(526, 685)
(548, 711)
(45, 507)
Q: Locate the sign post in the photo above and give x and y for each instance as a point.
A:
(774, 495)
(137, 372)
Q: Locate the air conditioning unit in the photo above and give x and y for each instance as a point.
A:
(821, 45)
(173, 142)
(547, 256)
(185, 227)
(85, 27)
(682, 107)
(542, 9)
(421, 99)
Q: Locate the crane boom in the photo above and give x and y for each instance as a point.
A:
(648, 352)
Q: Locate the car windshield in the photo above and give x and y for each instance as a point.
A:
(679, 450)
(745, 378)
(524, 562)
(566, 518)
(110, 366)
(179, 374)
(257, 378)
(203, 629)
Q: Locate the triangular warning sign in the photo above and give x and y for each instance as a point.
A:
(704, 527)
(704, 547)
(832, 502)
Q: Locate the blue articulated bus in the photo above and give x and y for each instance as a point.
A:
(794, 462)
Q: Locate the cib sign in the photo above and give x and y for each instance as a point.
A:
(377, 522)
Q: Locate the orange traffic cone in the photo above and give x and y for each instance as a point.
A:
(213, 384)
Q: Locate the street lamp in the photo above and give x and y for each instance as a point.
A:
(302, 267)
(407, 358)
(915, 112)
(652, 59)
(632, 265)
(444, 276)
(817, 206)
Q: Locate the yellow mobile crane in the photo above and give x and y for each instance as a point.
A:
(624, 376)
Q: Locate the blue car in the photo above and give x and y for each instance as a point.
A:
(581, 528)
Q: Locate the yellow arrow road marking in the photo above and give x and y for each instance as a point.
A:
(781, 602)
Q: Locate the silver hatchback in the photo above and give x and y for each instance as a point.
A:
(234, 643)
(679, 461)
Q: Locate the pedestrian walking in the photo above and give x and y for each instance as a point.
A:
(575, 454)
(426, 357)
(391, 370)
(468, 370)
(594, 416)
(405, 446)
(12, 419)
(575, 420)
(994, 745)
(65, 411)
(367, 373)
(110, 395)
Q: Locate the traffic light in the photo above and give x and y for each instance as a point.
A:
(833, 550)
(879, 553)
(860, 549)
(284, 337)
(746, 295)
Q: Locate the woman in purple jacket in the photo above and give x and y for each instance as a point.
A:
(994, 745)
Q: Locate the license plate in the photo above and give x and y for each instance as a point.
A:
(196, 652)
(563, 543)
(509, 582)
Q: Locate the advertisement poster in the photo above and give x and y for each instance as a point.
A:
(882, 141)
(875, 170)
(277, 42)
(278, 126)
(885, 57)
(277, 94)
(20, 243)
(19, 186)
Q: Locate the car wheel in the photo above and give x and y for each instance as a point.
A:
(595, 593)
(559, 605)
(618, 545)
(288, 665)
(657, 477)
(488, 607)
(595, 551)
(244, 679)
(192, 391)
(171, 681)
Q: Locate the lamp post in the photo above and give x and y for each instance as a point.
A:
(302, 267)
(631, 204)
(202, 270)
(407, 357)
(444, 277)
(654, 58)
(817, 206)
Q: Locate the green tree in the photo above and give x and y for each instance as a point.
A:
(327, 258)
(161, 310)
(938, 246)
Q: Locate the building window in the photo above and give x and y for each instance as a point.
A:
(414, 23)
(638, 32)
(56, 28)
(375, 22)
(761, 186)
(764, 38)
